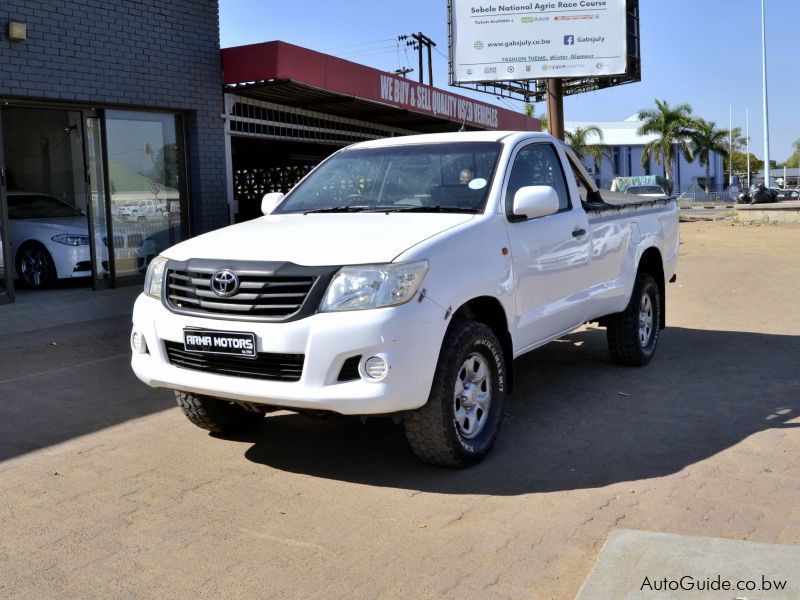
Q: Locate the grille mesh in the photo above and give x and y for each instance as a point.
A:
(267, 296)
(273, 367)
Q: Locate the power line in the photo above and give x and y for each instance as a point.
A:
(358, 44)
(365, 50)
(353, 56)
(442, 54)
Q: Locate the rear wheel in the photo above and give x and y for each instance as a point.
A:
(458, 425)
(35, 266)
(633, 334)
(218, 415)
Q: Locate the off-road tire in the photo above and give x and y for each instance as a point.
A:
(623, 329)
(431, 430)
(217, 415)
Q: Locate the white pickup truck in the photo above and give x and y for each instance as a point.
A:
(403, 276)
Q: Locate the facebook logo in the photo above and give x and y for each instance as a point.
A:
(569, 40)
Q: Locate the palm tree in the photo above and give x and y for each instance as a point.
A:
(706, 141)
(671, 126)
(578, 140)
(530, 111)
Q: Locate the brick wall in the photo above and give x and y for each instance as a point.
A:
(160, 54)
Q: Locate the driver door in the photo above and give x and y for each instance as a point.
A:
(551, 254)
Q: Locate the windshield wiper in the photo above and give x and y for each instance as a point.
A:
(430, 209)
(336, 209)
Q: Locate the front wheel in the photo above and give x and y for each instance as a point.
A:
(458, 425)
(633, 334)
(217, 415)
(35, 266)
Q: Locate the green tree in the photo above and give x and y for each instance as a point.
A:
(672, 126)
(579, 141)
(706, 141)
(165, 165)
(793, 162)
(530, 111)
(740, 162)
(739, 140)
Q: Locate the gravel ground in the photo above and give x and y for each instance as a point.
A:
(107, 491)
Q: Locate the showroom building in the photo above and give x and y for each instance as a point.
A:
(120, 136)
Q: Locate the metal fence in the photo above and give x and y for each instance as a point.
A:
(717, 195)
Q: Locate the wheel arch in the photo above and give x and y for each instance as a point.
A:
(652, 262)
(25, 244)
(489, 311)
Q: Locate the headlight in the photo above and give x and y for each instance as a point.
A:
(154, 279)
(374, 286)
(71, 239)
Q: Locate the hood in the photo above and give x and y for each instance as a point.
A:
(76, 225)
(319, 239)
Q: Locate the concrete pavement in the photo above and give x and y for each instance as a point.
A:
(108, 491)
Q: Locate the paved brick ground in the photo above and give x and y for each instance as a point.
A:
(108, 491)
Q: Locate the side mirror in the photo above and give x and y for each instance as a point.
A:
(270, 201)
(536, 201)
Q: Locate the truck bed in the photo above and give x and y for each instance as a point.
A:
(615, 201)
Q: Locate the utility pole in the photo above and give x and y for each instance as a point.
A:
(764, 98)
(403, 71)
(555, 108)
(417, 42)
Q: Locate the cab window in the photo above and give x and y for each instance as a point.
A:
(537, 164)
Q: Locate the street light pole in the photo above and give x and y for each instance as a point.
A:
(730, 148)
(764, 98)
(747, 133)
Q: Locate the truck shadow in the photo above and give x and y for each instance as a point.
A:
(575, 419)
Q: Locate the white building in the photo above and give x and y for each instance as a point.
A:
(624, 159)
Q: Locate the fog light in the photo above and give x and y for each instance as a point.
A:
(137, 343)
(376, 367)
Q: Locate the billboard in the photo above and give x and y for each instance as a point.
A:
(506, 41)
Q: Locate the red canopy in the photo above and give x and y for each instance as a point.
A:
(295, 76)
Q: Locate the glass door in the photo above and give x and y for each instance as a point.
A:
(100, 241)
(147, 188)
(6, 264)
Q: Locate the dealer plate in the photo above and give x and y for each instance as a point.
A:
(229, 343)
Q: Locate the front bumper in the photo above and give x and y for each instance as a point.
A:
(68, 258)
(408, 337)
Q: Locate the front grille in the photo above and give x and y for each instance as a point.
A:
(265, 296)
(273, 367)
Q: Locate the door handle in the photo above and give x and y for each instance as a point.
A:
(579, 233)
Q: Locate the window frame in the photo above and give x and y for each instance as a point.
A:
(509, 209)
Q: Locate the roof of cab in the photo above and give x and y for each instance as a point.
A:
(439, 138)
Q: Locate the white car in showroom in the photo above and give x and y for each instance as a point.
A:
(50, 240)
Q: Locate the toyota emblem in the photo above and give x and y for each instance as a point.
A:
(224, 283)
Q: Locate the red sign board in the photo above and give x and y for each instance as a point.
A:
(286, 62)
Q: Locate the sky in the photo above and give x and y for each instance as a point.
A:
(704, 52)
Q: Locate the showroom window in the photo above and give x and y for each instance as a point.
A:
(146, 181)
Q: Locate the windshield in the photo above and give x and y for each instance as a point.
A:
(422, 177)
(39, 207)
